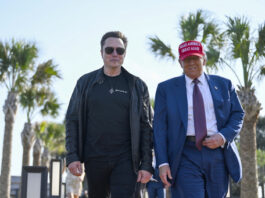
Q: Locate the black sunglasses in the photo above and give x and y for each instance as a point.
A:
(110, 50)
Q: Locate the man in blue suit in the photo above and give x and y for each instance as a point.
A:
(197, 117)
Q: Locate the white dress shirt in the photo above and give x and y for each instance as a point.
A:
(211, 123)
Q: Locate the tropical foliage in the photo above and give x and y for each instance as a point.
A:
(30, 86)
(199, 27)
(16, 61)
(248, 51)
(52, 136)
(36, 98)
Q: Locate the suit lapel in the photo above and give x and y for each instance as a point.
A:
(182, 100)
(215, 92)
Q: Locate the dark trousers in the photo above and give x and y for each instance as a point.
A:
(113, 177)
(201, 174)
(155, 189)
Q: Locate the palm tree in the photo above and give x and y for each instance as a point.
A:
(250, 52)
(37, 152)
(194, 27)
(38, 145)
(53, 137)
(16, 60)
(37, 97)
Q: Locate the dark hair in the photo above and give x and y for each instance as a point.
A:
(115, 34)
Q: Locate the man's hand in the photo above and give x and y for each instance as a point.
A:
(143, 176)
(164, 173)
(213, 141)
(75, 168)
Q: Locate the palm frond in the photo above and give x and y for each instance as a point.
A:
(27, 98)
(244, 51)
(42, 95)
(210, 29)
(50, 107)
(260, 44)
(238, 32)
(23, 55)
(45, 73)
(190, 26)
(160, 49)
(16, 60)
(262, 71)
(213, 56)
(4, 60)
(53, 137)
(21, 82)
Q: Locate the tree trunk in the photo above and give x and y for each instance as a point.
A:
(249, 183)
(262, 190)
(45, 158)
(37, 152)
(27, 137)
(10, 109)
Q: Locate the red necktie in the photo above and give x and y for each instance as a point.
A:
(198, 115)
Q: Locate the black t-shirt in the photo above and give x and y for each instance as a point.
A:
(108, 126)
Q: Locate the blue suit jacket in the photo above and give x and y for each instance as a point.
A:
(171, 118)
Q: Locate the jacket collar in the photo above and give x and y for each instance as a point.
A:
(182, 102)
(202, 79)
(100, 77)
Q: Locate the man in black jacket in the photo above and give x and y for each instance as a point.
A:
(108, 125)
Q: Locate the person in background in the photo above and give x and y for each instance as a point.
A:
(74, 184)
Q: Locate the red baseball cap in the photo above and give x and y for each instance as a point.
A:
(190, 48)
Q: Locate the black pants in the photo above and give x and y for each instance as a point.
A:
(113, 177)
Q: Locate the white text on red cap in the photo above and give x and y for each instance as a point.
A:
(188, 44)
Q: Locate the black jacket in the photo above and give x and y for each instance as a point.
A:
(140, 119)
